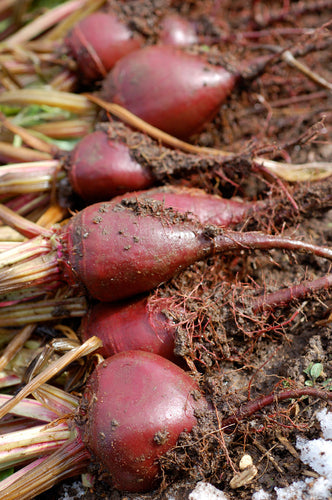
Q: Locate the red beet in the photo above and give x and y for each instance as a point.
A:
(133, 410)
(109, 162)
(168, 88)
(176, 30)
(134, 407)
(117, 250)
(138, 404)
(101, 168)
(120, 250)
(98, 42)
(132, 324)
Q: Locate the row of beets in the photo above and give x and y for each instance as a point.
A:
(152, 400)
(137, 403)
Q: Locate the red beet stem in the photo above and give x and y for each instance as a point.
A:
(284, 296)
(252, 407)
(98, 42)
(69, 461)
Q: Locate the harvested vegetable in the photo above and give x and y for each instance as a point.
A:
(177, 30)
(117, 250)
(152, 402)
(170, 89)
(238, 329)
(133, 324)
(125, 433)
(207, 208)
(98, 41)
(101, 167)
(115, 160)
(134, 408)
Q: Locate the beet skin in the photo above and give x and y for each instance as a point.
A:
(117, 251)
(98, 42)
(131, 324)
(170, 89)
(137, 404)
(101, 168)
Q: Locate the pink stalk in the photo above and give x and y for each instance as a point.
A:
(30, 408)
(44, 310)
(70, 460)
(252, 407)
(9, 379)
(26, 203)
(33, 442)
(284, 296)
(36, 247)
(24, 226)
(8, 245)
(12, 424)
(28, 177)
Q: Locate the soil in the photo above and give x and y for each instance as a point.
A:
(236, 353)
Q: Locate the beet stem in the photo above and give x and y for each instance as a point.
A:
(32, 442)
(54, 368)
(28, 177)
(43, 22)
(252, 407)
(44, 310)
(9, 153)
(33, 248)
(284, 296)
(15, 345)
(70, 460)
(27, 137)
(20, 224)
(30, 408)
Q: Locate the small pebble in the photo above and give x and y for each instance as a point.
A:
(245, 462)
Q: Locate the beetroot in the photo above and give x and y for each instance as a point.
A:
(176, 30)
(132, 324)
(138, 404)
(106, 163)
(170, 89)
(134, 407)
(98, 42)
(117, 250)
(101, 168)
